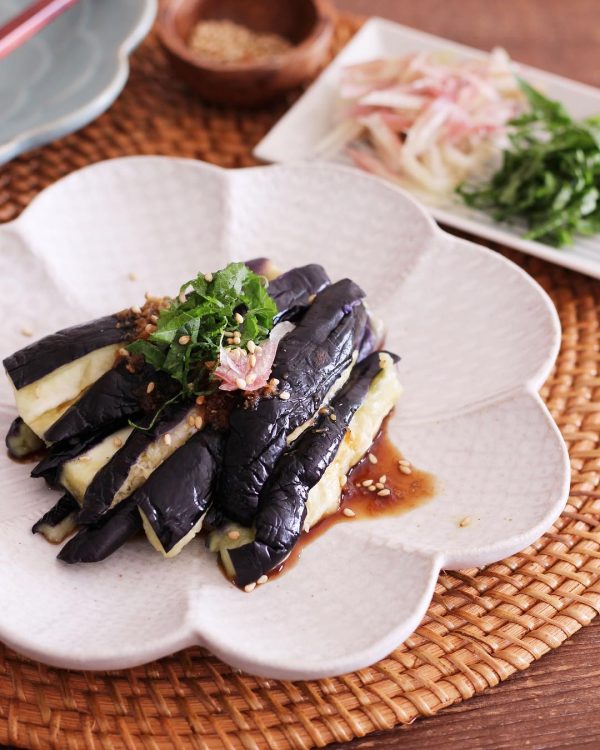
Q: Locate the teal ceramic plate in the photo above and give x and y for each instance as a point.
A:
(69, 73)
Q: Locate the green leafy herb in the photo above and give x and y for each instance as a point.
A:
(549, 177)
(189, 333)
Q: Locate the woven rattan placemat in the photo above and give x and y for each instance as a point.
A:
(482, 625)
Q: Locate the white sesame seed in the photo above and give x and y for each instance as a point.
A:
(208, 277)
(372, 458)
(154, 318)
(311, 298)
(132, 276)
(406, 469)
(372, 488)
(182, 298)
(241, 383)
(136, 310)
(258, 348)
(191, 420)
(284, 395)
(239, 318)
(117, 442)
(233, 534)
(333, 417)
(367, 483)
(383, 478)
(379, 485)
(348, 512)
(251, 378)
(384, 493)
(228, 334)
(263, 579)
(465, 521)
(167, 438)
(26, 331)
(403, 462)
(249, 587)
(198, 422)
(230, 341)
(149, 328)
(252, 360)
(150, 387)
(183, 340)
(274, 382)
(251, 347)
(200, 400)
(123, 352)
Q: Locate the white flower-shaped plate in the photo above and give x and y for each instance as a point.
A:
(69, 73)
(477, 338)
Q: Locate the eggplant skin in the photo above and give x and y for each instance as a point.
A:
(100, 494)
(309, 361)
(176, 496)
(95, 543)
(113, 398)
(57, 513)
(50, 466)
(21, 440)
(282, 505)
(293, 290)
(59, 522)
(42, 357)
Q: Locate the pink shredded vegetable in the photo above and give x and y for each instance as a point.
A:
(425, 119)
(236, 369)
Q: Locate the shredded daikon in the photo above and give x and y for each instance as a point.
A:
(425, 119)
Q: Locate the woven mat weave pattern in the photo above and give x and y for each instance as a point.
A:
(481, 627)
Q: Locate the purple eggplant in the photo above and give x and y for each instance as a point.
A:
(310, 360)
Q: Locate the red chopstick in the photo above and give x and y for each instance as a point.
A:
(27, 23)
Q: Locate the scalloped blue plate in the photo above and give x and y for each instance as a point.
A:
(69, 73)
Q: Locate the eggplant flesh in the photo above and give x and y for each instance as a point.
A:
(95, 543)
(52, 352)
(21, 440)
(134, 461)
(174, 500)
(293, 290)
(76, 474)
(59, 522)
(307, 482)
(310, 362)
(44, 401)
(113, 398)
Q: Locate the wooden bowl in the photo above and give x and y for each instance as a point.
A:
(307, 24)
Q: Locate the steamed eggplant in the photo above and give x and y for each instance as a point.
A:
(59, 454)
(172, 509)
(294, 290)
(59, 521)
(136, 456)
(96, 542)
(311, 362)
(51, 373)
(306, 483)
(21, 440)
(113, 398)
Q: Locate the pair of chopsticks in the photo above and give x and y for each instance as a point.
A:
(27, 23)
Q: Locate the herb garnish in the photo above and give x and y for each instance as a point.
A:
(550, 177)
(190, 332)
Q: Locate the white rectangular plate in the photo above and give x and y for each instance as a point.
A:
(297, 134)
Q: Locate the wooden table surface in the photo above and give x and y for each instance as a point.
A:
(555, 704)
